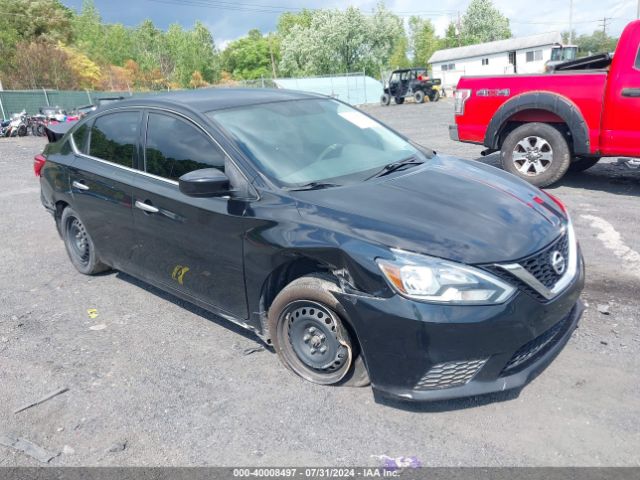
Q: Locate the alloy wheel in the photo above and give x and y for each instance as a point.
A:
(532, 156)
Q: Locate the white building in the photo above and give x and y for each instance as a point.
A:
(503, 57)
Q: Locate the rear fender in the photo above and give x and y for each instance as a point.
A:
(553, 103)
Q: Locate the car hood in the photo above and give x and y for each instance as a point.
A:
(449, 208)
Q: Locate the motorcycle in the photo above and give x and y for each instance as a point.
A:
(17, 125)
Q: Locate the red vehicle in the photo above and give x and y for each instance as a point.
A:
(545, 124)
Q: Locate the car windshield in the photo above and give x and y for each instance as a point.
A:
(313, 141)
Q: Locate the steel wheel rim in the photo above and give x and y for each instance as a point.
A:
(78, 240)
(532, 156)
(314, 342)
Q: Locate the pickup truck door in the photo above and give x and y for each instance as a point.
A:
(620, 125)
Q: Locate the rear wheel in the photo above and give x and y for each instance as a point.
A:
(399, 100)
(419, 96)
(537, 153)
(79, 244)
(22, 131)
(580, 164)
(308, 333)
(385, 99)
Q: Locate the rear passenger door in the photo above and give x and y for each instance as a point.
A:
(192, 245)
(102, 176)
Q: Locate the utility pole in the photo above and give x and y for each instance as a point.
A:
(638, 11)
(273, 63)
(571, 22)
(603, 24)
(459, 28)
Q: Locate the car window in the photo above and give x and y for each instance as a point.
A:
(175, 147)
(114, 137)
(638, 59)
(313, 140)
(81, 137)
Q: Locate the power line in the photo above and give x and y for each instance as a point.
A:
(603, 24)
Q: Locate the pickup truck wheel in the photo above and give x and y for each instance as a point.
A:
(308, 334)
(537, 153)
(385, 99)
(580, 164)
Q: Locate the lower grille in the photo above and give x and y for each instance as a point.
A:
(450, 374)
(538, 346)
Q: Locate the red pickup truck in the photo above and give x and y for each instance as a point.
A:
(545, 124)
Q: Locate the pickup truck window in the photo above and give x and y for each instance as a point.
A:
(638, 60)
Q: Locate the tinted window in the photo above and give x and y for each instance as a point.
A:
(81, 137)
(175, 147)
(638, 59)
(114, 137)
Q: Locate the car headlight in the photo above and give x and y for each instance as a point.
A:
(431, 279)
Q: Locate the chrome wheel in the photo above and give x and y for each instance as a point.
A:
(314, 342)
(532, 156)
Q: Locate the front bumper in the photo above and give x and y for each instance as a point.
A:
(424, 352)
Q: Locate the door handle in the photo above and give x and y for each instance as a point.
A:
(79, 185)
(631, 92)
(145, 207)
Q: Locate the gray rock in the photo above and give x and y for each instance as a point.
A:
(117, 447)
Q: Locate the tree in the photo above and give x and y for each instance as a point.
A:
(597, 42)
(87, 73)
(451, 38)
(482, 22)
(40, 65)
(423, 40)
(399, 57)
(333, 41)
(249, 58)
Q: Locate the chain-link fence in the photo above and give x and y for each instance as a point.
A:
(14, 101)
(354, 88)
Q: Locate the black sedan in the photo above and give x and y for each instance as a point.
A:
(359, 255)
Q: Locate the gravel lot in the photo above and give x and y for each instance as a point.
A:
(154, 381)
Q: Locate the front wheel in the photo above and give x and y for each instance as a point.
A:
(79, 245)
(385, 99)
(308, 333)
(537, 153)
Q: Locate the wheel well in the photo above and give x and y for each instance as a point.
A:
(60, 206)
(283, 276)
(531, 116)
(543, 107)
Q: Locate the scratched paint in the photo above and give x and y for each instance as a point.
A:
(179, 272)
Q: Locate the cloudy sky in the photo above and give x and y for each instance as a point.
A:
(229, 19)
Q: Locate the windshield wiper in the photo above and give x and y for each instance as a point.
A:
(394, 166)
(314, 186)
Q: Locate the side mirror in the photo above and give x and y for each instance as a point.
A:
(207, 182)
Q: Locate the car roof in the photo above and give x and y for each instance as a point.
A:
(208, 99)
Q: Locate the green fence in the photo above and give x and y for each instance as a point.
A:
(14, 101)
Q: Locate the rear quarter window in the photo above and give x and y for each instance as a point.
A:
(114, 137)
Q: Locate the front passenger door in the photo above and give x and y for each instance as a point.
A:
(192, 245)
